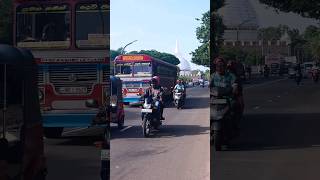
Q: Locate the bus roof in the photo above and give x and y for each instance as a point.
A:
(140, 58)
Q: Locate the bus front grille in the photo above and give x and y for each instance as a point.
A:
(40, 76)
(73, 76)
(105, 74)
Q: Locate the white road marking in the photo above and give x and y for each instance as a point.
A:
(74, 130)
(263, 84)
(124, 129)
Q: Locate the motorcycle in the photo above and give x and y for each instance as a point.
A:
(178, 98)
(221, 120)
(315, 75)
(150, 113)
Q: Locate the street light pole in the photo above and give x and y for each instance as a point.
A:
(127, 45)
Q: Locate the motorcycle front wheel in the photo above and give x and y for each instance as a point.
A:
(146, 126)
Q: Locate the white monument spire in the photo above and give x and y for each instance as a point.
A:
(184, 64)
(177, 50)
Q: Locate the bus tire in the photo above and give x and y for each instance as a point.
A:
(53, 132)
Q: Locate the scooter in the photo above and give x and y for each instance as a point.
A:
(221, 120)
(178, 98)
(150, 114)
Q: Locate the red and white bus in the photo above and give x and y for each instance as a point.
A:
(70, 41)
(136, 71)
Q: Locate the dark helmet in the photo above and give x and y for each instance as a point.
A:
(219, 60)
(155, 80)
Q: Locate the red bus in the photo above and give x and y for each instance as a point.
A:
(136, 72)
(70, 41)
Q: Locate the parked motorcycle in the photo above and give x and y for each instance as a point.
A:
(221, 119)
(150, 113)
(178, 98)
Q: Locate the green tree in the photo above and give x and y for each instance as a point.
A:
(217, 29)
(272, 33)
(200, 55)
(115, 53)
(305, 8)
(207, 74)
(6, 21)
(315, 46)
(160, 55)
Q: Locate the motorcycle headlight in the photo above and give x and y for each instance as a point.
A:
(157, 103)
(113, 101)
(147, 106)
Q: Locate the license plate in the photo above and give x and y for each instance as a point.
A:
(132, 90)
(146, 110)
(218, 101)
(73, 90)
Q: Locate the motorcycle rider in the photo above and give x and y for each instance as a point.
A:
(266, 70)
(180, 86)
(155, 90)
(221, 78)
(231, 67)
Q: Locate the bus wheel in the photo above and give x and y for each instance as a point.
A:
(53, 132)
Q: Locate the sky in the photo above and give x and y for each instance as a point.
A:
(268, 17)
(157, 24)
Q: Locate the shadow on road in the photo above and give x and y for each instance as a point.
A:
(197, 103)
(277, 131)
(76, 140)
(165, 131)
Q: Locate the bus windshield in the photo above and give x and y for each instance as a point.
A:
(142, 68)
(43, 26)
(123, 69)
(92, 26)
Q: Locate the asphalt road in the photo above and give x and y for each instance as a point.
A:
(74, 156)
(179, 151)
(279, 135)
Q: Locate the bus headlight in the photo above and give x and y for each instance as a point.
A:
(92, 103)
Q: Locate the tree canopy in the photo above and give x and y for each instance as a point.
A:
(115, 53)
(160, 55)
(217, 29)
(200, 55)
(305, 8)
(6, 21)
